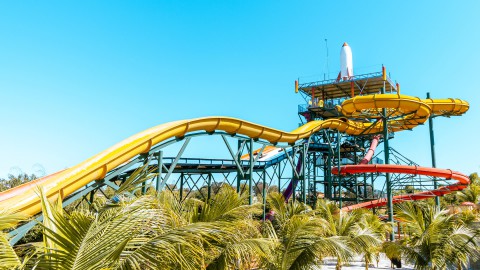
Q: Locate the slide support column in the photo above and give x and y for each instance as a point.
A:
(339, 174)
(264, 193)
(279, 177)
(304, 173)
(328, 174)
(250, 173)
(159, 170)
(432, 150)
(238, 158)
(209, 186)
(386, 149)
(181, 187)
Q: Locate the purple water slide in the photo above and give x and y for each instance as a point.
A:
(293, 184)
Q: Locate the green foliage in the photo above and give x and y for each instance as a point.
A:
(359, 230)
(15, 180)
(436, 239)
(159, 231)
(306, 236)
(474, 179)
(8, 257)
(470, 194)
(150, 232)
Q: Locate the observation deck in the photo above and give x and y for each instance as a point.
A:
(322, 96)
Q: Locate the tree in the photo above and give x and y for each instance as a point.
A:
(15, 180)
(470, 194)
(303, 238)
(436, 239)
(357, 229)
(153, 232)
(8, 258)
(474, 179)
(380, 228)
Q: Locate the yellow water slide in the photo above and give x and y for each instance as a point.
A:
(405, 113)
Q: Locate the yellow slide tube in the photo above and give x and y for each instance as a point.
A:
(24, 198)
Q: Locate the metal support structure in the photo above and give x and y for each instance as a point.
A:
(303, 172)
(237, 157)
(159, 170)
(328, 174)
(279, 177)
(145, 171)
(174, 163)
(264, 193)
(432, 151)
(209, 186)
(250, 172)
(339, 174)
(355, 160)
(386, 150)
(182, 180)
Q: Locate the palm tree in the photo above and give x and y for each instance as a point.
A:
(154, 232)
(356, 229)
(380, 228)
(8, 258)
(470, 194)
(303, 238)
(436, 239)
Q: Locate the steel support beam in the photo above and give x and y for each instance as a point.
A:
(386, 150)
(209, 186)
(159, 170)
(235, 157)
(264, 194)
(304, 166)
(250, 172)
(339, 173)
(174, 163)
(432, 151)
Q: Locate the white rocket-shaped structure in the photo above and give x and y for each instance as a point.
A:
(346, 63)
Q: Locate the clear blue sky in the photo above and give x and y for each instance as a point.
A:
(79, 76)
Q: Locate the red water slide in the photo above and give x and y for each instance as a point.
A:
(462, 181)
(363, 167)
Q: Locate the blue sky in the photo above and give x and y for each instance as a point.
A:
(79, 76)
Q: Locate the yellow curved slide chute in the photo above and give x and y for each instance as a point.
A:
(25, 199)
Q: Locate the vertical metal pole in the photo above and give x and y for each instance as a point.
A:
(159, 171)
(294, 176)
(145, 173)
(304, 174)
(92, 193)
(356, 176)
(250, 174)
(314, 190)
(339, 175)
(209, 186)
(280, 177)
(264, 193)
(364, 186)
(432, 150)
(328, 173)
(386, 149)
(239, 174)
(181, 187)
(373, 190)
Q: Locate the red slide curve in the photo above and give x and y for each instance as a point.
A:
(364, 167)
(463, 181)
